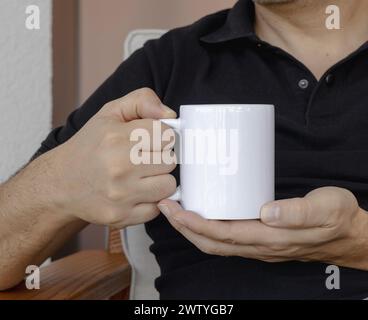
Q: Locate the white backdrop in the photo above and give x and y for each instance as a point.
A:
(25, 83)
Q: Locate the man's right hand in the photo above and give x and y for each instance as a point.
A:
(94, 177)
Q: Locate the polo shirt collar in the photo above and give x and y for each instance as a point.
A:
(239, 24)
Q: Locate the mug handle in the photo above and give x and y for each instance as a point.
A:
(176, 125)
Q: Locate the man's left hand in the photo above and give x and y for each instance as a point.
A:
(326, 225)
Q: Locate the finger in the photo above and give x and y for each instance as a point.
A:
(214, 247)
(139, 104)
(206, 245)
(145, 164)
(248, 232)
(171, 209)
(164, 166)
(319, 208)
(245, 232)
(154, 189)
(149, 135)
(293, 213)
(141, 213)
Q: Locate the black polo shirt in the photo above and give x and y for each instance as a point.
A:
(321, 140)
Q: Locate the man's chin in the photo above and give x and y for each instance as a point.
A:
(272, 1)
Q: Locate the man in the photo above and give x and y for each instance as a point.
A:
(269, 51)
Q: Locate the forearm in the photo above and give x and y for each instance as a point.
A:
(31, 227)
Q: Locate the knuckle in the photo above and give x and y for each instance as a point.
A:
(114, 167)
(170, 167)
(118, 225)
(115, 172)
(151, 213)
(229, 240)
(156, 188)
(292, 251)
(144, 93)
(278, 247)
(300, 211)
(200, 232)
(113, 194)
(299, 220)
(164, 187)
(229, 235)
(170, 185)
(108, 105)
(111, 216)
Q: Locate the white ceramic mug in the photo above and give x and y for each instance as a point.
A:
(227, 159)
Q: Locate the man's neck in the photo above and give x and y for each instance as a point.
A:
(299, 28)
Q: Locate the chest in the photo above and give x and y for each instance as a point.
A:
(331, 113)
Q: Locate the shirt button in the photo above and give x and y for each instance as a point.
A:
(303, 84)
(329, 79)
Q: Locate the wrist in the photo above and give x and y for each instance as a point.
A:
(48, 196)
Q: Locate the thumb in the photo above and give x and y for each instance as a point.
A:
(319, 208)
(169, 207)
(139, 104)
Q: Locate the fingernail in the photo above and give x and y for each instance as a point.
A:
(168, 111)
(270, 213)
(165, 210)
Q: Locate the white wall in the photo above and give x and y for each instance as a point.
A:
(25, 83)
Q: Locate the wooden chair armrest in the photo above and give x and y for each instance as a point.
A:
(86, 275)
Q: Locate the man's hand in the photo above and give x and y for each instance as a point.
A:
(90, 178)
(326, 225)
(97, 180)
